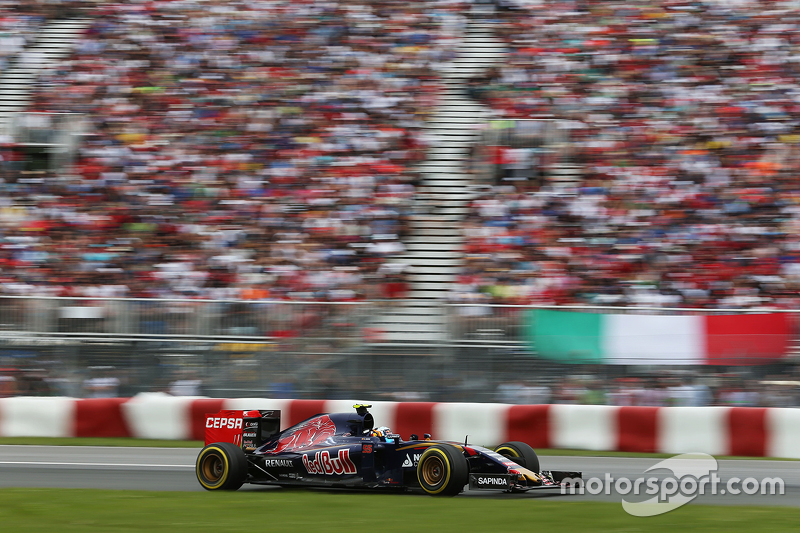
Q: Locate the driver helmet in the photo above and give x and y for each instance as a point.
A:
(382, 431)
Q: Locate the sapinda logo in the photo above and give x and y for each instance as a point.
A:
(229, 423)
(492, 481)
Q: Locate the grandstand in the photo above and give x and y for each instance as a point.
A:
(435, 244)
(325, 151)
(305, 164)
(684, 138)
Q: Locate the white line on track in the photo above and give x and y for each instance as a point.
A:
(128, 465)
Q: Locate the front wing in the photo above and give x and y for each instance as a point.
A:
(546, 480)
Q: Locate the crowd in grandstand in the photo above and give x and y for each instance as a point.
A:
(234, 150)
(683, 118)
(266, 149)
(252, 150)
(19, 21)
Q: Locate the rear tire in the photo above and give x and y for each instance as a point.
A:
(221, 466)
(442, 471)
(520, 453)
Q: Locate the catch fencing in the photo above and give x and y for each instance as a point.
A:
(122, 346)
(742, 333)
(176, 320)
(95, 347)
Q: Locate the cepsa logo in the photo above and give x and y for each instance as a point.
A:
(323, 463)
(230, 423)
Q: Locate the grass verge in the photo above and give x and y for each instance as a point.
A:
(46, 510)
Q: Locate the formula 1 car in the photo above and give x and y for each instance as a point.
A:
(346, 450)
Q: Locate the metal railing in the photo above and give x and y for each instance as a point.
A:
(232, 348)
(123, 346)
(176, 320)
(502, 324)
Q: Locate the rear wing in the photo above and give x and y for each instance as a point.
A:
(248, 429)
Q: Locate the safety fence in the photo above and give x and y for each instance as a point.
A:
(122, 346)
(119, 347)
(738, 431)
(171, 320)
(631, 335)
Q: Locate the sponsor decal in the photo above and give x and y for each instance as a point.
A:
(278, 463)
(251, 424)
(230, 423)
(249, 434)
(493, 481)
(488, 481)
(309, 433)
(322, 463)
(411, 460)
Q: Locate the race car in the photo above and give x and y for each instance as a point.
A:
(347, 450)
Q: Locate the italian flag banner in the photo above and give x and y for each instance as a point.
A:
(575, 337)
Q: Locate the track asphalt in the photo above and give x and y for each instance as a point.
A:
(172, 469)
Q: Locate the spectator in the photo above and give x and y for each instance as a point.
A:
(101, 384)
(187, 384)
(236, 150)
(683, 119)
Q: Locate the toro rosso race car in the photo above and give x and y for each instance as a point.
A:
(346, 450)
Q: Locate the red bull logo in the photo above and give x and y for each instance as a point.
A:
(309, 433)
(323, 463)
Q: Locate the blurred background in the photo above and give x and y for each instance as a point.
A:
(513, 201)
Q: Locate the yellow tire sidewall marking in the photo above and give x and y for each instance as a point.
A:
(446, 460)
(225, 471)
(512, 451)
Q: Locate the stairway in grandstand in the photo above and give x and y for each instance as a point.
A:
(55, 40)
(434, 245)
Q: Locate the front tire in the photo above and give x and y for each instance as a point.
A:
(442, 471)
(520, 453)
(221, 466)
